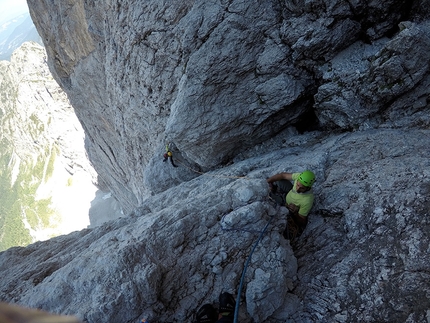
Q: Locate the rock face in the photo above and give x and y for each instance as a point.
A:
(235, 88)
(213, 79)
(363, 257)
(362, 82)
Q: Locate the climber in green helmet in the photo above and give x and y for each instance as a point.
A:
(298, 197)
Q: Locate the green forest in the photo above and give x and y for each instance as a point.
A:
(18, 198)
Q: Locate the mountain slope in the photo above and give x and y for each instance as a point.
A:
(15, 32)
(44, 169)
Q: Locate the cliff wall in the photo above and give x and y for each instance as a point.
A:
(242, 90)
(216, 78)
(363, 257)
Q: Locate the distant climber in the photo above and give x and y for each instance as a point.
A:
(298, 197)
(168, 155)
(208, 314)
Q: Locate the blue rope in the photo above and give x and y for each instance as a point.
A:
(236, 310)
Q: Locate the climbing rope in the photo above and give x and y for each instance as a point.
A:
(169, 155)
(236, 310)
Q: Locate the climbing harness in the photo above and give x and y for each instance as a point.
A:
(292, 230)
(168, 155)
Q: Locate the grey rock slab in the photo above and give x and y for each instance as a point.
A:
(363, 254)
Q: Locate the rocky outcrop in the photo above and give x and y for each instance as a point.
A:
(214, 79)
(235, 89)
(369, 85)
(363, 257)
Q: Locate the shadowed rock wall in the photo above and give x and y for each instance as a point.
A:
(215, 78)
(363, 257)
(228, 84)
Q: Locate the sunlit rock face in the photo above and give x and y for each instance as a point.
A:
(47, 182)
(241, 90)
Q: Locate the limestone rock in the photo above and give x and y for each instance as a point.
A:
(216, 78)
(224, 97)
(230, 85)
(364, 80)
(364, 252)
(155, 54)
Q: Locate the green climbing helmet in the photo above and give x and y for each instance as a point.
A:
(307, 178)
